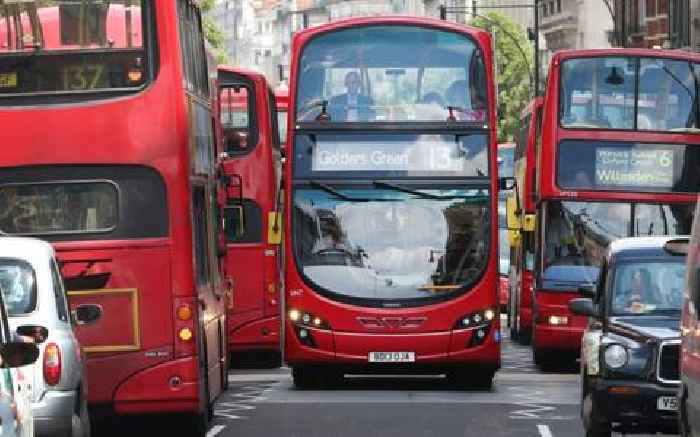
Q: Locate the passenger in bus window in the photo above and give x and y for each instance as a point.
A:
(351, 106)
(458, 97)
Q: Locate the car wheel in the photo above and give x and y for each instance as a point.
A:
(594, 424)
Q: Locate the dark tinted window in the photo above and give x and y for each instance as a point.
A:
(628, 166)
(200, 240)
(194, 57)
(84, 202)
(238, 117)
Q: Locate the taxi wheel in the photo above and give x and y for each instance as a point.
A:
(683, 425)
(594, 425)
(80, 422)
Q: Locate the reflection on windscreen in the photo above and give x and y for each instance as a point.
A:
(391, 245)
(365, 74)
(103, 40)
(58, 208)
(18, 284)
(649, 287)
(629, 93)
(576, 235)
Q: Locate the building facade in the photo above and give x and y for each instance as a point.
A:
(673, 24)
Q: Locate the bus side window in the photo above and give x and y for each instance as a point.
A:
(238, 118)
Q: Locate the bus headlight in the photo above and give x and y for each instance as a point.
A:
(305, 318)
(477, 319)
(615, 356)
(558, 320)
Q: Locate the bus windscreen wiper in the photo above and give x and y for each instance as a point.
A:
(330, 190)
(394, 187)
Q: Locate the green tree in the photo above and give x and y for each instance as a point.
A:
(514, 59)
(213, 34)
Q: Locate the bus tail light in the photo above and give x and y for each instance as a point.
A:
(185, 323)
(52, 364)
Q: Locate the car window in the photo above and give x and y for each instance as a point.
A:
(18, 283)
(59, 293)
(643, 288)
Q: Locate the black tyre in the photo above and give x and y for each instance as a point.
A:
(683, 423)
(80, 422)
(306, 378)
(468, 379)
(593, 421)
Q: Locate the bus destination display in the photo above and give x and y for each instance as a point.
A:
(634, 168)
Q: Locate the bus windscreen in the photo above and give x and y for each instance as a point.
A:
(628, 93)
(59, 46)
(364, 74)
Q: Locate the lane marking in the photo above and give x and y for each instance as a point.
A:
(544, 431)
(215, 430)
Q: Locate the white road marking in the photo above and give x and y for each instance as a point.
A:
(544, 431)
(215, 430)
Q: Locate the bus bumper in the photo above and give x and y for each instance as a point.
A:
(566, 338)
(261, 334)
(432, 348)
(166, 388)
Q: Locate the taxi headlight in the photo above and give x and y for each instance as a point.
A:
(615, 356)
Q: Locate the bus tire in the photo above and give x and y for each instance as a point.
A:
(524, 337)
(306, 378)
(469, 379)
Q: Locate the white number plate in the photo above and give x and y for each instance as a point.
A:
(667, 403)
(392, 357)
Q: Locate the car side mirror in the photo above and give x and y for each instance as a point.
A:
(18, 354)
(36, 332)
(587, 290)
(506, 183)
(87, 313)
(583, 307)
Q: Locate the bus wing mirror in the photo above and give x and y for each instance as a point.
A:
(512, 218)
(274, 228)
(506, 183)
(583, 307)
(514, 238)
(529, 221)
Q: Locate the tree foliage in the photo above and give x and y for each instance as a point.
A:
(514, 59)
(213, 34)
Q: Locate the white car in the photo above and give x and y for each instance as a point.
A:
(38, 311)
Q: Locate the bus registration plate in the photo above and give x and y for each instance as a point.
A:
(392, 357)
(667, 403)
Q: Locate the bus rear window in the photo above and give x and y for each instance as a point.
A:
(47, 208)
(364, 74)
(58, 46)
(18, 283)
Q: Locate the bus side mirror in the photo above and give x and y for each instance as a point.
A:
(587, 290)
(18, 354)
(529, 221)
(274, 228)
(583, 307)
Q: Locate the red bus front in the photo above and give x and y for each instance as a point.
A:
(109, 154)
(391, 240)
(619, 158)
(248, 118)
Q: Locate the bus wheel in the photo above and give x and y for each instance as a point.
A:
(306, 377)
(469, 379)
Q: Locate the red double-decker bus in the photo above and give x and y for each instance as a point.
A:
(619, 157)
(109, 154)
(251, 163)
(522, 209)
(391, 238)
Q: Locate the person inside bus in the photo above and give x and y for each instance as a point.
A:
(561, 247)
(668, 94)
(458, 97)
(353, 105)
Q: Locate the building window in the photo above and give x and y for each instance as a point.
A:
(680, 23)
(551, 8)
(558, 6)
(544, 9)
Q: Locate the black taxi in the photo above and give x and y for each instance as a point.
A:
(630, 349)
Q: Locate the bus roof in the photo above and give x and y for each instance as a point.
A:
(650, 53)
